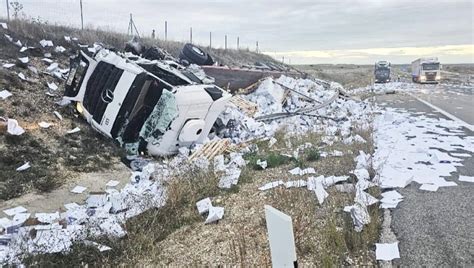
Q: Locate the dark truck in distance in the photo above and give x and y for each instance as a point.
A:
(382, 72)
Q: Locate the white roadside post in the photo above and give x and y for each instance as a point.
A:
(280, 236)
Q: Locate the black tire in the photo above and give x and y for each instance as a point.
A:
(194, 54)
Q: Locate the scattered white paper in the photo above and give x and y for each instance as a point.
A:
(78, 189)
(112, 183)
(52, 86)
(43, 124)
(16, 210)
(46, 43)
(24, 60)
(262, 164)
(8, 65)
(429, 187)
(47, 217)
(22, 76)
(297, 183)
(203, 205)
(271, 185)
(215, 214)
(23, 167)
(4, 25)
(59, 49)
(5, 94)
(75, 130)
(71, 206)
(100, 247)
(58, 115)
(387, 252)
(13, 128)
(466, 178)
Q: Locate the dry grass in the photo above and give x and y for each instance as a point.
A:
(34, 31)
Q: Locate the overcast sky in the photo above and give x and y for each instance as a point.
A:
(318, 31)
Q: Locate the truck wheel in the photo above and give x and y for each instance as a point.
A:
(195, 55)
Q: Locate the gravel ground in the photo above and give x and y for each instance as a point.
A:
(434, 228)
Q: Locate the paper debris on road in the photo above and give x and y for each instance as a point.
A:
(5, 94)
(301, 172)
(464, 155)
(112, 183)
(215, 214)
(204, 205)
(390, 199)
(47, 217)
(429, 187)
(271, 185)
(43, 124)
(23, 167)
(16, 210)
(78, 189)
(387, 252)
(466, 178)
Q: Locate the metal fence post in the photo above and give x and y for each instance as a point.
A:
(166, 30)
(225, 46)
(191, 35)
(8, 10)
(82, 17)
(210, 40)
(238, 41)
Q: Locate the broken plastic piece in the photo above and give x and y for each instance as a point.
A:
(23, 167)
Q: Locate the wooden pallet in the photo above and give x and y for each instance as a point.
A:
(248, 107)
(212, 149)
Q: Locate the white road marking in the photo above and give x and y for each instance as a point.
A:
(448, 115)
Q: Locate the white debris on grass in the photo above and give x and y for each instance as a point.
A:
(23, 167)
(8, 65)
(58, 115)
(359, 214)
(301, 172)
(47, 217)
(22, 76)
(296, 184)
(387, 252)
(466, 178)
(4, 25)
(112, 183)
(46, 43)
(204, 205)
(13, 128)
(59, 49)
(272, 142)
(215, 214)
(100, 247)
(15, 210)
(52, 86)
(271, 185)
(43, 124)
(24, 60)
(74, 130)
(4, 94)
(262, 164)
(78, 189)
(52, 67)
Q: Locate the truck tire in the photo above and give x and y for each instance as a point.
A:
(194, 54)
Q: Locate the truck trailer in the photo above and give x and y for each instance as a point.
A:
(382, 72)
(426, 70)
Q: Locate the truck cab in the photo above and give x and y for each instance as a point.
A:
(144, 106)
(426, 70)
(382, 72)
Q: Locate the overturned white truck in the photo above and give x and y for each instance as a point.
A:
(145, 106)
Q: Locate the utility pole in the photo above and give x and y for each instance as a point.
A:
(257, 47)
(283, 60)
(225, 46)
(131, 26)
(238, 41)
(8, 10)
(210, 40)
(191, 35)
(166, 30)
(82, 17)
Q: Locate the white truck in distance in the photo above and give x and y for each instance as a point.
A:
(426, 70)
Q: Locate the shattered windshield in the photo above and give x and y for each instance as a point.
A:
(161, 117)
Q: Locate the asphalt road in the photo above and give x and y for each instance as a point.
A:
(456, 100)
(436, 228)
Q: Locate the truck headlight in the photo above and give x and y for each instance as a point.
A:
(423, 78)
(438, 77)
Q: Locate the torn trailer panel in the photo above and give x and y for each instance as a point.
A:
(155, 109)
